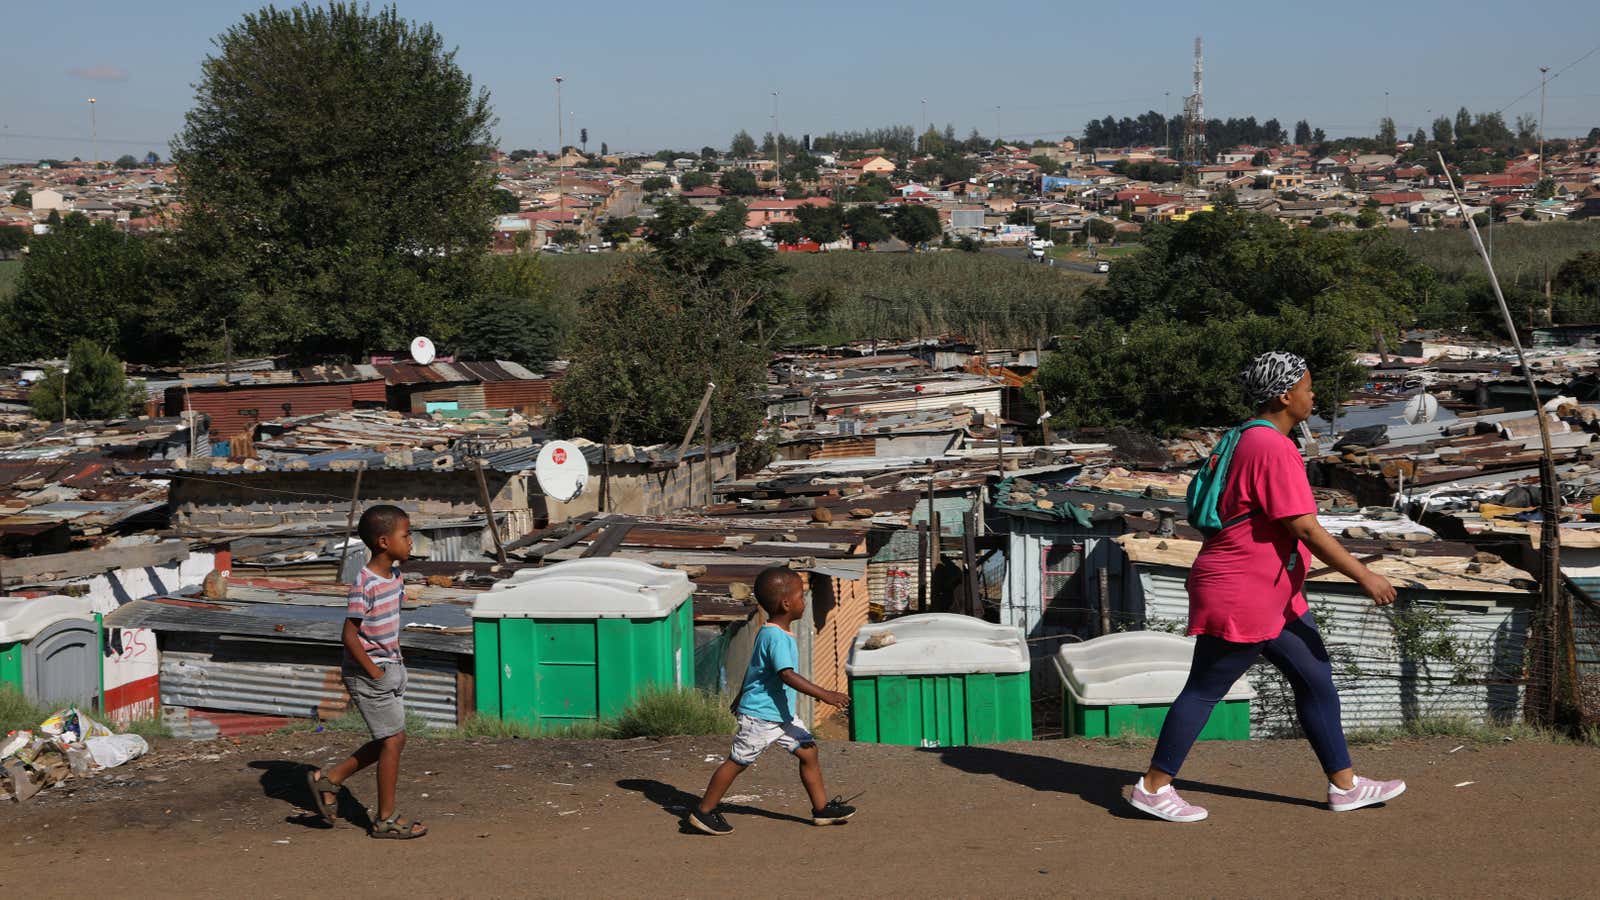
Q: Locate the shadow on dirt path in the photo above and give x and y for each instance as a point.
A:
(286, 781)
(677, 803)
(1104, 787)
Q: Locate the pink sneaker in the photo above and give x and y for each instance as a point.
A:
(1164, 804)
(1365, 792)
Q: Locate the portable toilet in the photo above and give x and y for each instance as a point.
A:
(579, 640)
(50, 648)
(1124, 684)
(946, 680)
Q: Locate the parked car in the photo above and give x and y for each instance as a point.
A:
(1103, 266)
(594, 248)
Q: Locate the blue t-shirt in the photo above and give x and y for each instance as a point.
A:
(764, 695)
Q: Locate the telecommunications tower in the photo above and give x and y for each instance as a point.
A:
(1194, 124)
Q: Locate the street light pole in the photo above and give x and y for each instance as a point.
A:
(1166, 118)
(1542, 81)
(94, 136)
(777, 141)
(561, 154)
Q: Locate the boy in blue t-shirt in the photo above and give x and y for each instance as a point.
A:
(765, 709)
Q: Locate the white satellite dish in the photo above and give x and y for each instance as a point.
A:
(1424, 407)
(562, 471)
(422, 351)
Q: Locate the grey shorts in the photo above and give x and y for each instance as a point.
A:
(756, 735)
(380, 702)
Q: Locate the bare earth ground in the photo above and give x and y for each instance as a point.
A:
(519, 818)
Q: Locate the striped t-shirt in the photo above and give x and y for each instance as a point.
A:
(375, 602)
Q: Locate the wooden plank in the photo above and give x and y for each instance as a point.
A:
(80, 563)
(579, 534)
(529, 540)
(488, 510)
(608, 542)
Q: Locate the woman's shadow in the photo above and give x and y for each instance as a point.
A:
(1100, 785)
(677, 803)
(286, 781)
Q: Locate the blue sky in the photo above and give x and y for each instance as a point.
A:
(646, 75)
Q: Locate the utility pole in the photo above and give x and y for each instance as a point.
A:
(1166, 119)
(997, 123)
(561, 153)
(1542, 81)
(777, 141)
(924, 125)
(94, 136)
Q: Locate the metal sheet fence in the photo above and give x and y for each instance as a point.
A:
(1381, 682)
(252, 677)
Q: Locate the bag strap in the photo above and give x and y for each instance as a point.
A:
(1253, 423)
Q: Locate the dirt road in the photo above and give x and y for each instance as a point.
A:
(519, 818)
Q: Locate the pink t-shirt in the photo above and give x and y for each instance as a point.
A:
(1246, 583)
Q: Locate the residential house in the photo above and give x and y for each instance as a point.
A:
(766, 211)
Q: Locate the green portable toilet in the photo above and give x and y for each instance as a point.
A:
(946, 681)
(1124, 684)
(50, 648)
(579, 640)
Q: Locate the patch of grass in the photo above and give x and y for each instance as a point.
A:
(659, 713)
(17, 711)
(656, 713)
(1459, 729)
(350, 722)
(10, 271)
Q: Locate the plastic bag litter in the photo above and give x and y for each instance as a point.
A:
(113, 750)
(14, 741)
(70, 726)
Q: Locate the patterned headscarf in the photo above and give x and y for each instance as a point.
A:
(1271, 375)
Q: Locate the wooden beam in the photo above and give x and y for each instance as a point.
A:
(540, 552)
(349, 526)
(81, 563)
(608, 542)
(488, 510)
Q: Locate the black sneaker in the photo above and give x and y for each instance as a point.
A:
(835, 813)
(709, 822)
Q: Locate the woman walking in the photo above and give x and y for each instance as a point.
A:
(1246, 599)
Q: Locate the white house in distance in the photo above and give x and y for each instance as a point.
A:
(48, 199)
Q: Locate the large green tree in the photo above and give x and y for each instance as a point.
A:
(337, 195)
(1166, 334)
(866, 224)
(703, 308)
(738, 182)
(823, 224)
(87, 280)
(915, 224)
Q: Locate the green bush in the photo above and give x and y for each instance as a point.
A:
(656, 713)
(97, 388)
(660, 713)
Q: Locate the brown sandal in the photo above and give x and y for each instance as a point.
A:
(395, 828)
(319, 785)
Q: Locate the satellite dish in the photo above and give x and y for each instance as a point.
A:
(422, 351)
(1424, 407)
(562, 471)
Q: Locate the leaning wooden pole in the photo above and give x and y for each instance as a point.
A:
(1543, 705)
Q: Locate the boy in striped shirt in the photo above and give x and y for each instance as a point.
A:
(374, 672)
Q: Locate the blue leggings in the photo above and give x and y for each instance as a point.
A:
(1298, 653)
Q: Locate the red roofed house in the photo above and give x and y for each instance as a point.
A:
(1394, 197)
(769, 211)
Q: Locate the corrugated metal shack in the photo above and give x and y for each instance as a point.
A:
(1483, 605)
(272, 648)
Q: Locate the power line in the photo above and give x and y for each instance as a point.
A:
(1559, 72)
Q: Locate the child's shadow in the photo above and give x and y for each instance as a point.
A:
(677, 803)
(286, 781)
